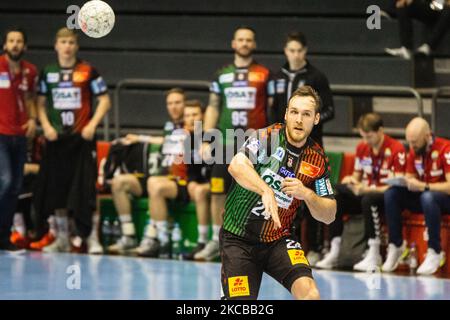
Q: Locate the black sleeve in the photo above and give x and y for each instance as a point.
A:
(324, 91)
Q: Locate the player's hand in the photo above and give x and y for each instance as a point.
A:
(271, 207)
(130, 139)
(88, 132)
(357, 189)
(205, 151)
(30, 128)
(415, 185)
(349, 180)
(295, 188)
(50, 133)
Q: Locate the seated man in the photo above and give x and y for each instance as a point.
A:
(377, 157)
(434, 13)
(124, 185)
(156, 242)
(427, 191)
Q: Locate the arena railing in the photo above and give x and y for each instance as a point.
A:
(149, 84)
(439, 93)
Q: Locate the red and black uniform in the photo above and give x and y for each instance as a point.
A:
(374, 169)
(14, 91)
(430, 167)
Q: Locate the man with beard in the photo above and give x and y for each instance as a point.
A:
(277, 169)
(427, 190)
(239, 99)
(17, 121)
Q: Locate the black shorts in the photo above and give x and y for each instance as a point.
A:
(220, 179)
(143, 183)
(182, 192)
(244, 262)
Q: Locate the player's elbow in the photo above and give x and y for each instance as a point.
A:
(237, 166)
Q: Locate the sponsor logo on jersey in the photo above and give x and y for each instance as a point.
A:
(226, 78)
(66, 98)
(256, 77)
(323, 187)
(297, 257)
(279, 154)
(238, 286)
(241, 98)
(309, 170)
(52, 77)
(280, 86)
(253, 145)
(274, 181)
(4, 80)
(436, 173)
(286, 173)
(80, 76)
(169, 126)
(434, 155)
(419, 167)
(387, 152)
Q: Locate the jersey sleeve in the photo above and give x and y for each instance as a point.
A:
(322, 185)
(410, 163)
(446, 159)
(42, 84)
(358, 158)
(97, 84)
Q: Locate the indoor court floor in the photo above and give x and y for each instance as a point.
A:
(36, 275)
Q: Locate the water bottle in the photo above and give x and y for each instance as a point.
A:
(177, 239)
(413, 262)
(106, 232)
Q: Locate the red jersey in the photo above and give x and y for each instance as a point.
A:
(433, 166)
(375, 168)
(13, 90)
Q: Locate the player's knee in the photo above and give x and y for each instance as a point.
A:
(201, 193)
(154, 187)
(305, 289)
(116, 184)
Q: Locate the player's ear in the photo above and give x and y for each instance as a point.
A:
(316, 118)
(285, 114)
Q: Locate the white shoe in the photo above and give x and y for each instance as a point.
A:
(433, 261)
(59, 245)
(209, 253)
(313, 257)
(123, 245)
(394, 256)
(331, 258)
(372, 260)
(424, 49)
(94, 247)
(401, 52)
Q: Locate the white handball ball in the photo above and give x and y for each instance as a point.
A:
(96, 18)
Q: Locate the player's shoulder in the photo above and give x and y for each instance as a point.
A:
(31, 67)
(314, 147)
(442, 143)
(362, 147)
(394, 144)
(256, 66)
(226, 68)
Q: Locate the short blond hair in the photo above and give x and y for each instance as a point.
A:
(66, 32)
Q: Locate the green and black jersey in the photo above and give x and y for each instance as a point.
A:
(274, 158)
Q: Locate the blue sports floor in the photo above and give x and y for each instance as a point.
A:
(69, 276)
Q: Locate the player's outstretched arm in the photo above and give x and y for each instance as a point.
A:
(242, 170)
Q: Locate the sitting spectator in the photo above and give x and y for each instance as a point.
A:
(427, 190)
(435, 14)
(125, 184)
(377, 157)
(175, 186)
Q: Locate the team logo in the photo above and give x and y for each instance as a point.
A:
(279, 154)
(387, 152)
(434, 155)
(309, 170)
(169, 126)
(447, 157)
(241, 76)
(238, 286)
(290, 162)
(402, 158)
